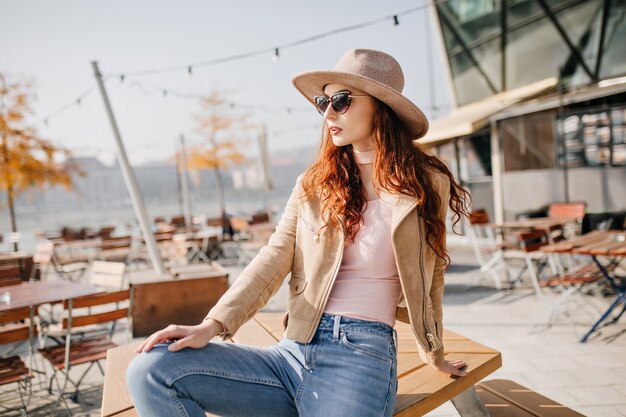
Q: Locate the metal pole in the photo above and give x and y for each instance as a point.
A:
(131, 181)
(265, 167)
(184, 182)
(496, 173)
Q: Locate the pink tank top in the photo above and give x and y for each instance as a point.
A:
(367, 285)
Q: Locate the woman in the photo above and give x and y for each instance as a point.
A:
(363, 236)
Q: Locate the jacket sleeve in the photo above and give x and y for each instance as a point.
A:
(263, 276)
(436, 357)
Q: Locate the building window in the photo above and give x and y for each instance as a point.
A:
(528, 142)
(593, 138)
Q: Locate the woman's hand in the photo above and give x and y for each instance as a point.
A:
(186, 336)
(452, 368)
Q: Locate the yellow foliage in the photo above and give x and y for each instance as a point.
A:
(222, 132)
(26, 159)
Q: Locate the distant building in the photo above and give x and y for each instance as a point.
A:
(540, 89)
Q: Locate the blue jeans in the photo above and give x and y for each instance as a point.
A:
(348, 369)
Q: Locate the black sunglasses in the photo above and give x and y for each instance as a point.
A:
(340, 101)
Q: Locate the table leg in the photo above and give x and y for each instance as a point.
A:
(621, 298)
(469, 404)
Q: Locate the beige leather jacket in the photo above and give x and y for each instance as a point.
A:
(312, 254)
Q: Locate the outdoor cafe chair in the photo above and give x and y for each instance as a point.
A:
(534, 261)
(9, 275)
(99, 314)
(16, 327)
(109, 276)
(45, 258)
(487, 251)
(575, 211)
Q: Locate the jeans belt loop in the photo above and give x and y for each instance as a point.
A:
(395, 338)
(336, 327)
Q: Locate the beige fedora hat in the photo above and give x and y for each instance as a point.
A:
(374, 72)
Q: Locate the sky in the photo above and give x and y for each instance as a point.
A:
(53, 43)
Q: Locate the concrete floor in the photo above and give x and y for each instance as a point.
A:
(590, 377)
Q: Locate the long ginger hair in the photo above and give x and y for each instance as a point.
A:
(399, 167)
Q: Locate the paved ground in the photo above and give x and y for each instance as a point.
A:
(590, 378)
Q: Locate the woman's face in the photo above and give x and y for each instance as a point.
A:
(354, 127)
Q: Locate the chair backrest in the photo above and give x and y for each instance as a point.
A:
(43, 252)
(567, 210)
(479, 216)
(239, 224)
(10, 275)
(107, 274)
(11, 327)
(533, 240)
(110, 310)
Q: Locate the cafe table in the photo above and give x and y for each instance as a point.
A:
(611, 247)
(33, 294)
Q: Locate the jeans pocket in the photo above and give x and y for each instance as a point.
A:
(373, 345)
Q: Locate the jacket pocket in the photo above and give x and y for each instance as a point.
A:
(297, 284)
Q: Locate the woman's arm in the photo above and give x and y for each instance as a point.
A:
(263, 276)
(436, 294)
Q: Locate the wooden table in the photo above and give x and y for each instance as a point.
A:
(421, 388)
(32, 294)
(606, 244)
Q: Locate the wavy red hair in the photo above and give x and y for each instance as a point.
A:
(399, 167)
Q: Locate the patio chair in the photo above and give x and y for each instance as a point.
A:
(9, 275)
(89, 347)
(487, 251)
(534, 260)
(13, 370)
(44, 258)
(574, 211)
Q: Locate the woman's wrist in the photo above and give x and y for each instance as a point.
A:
(214, 325)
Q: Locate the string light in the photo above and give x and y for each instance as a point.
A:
(276, 50)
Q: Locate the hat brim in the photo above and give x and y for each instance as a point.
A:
(311, 84)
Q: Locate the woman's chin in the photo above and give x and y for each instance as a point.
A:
(339, 141)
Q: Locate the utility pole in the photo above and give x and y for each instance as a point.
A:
(130, 179)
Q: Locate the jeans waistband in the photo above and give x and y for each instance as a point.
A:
(336, 322)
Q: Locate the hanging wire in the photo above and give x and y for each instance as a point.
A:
(275, 54)
(151, 90)
(275, 50)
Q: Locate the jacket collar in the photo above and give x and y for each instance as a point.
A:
(402, 206)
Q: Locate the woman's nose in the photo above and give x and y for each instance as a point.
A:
(330, 113)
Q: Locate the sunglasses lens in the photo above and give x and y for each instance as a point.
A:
(321, 103)
(341, 102)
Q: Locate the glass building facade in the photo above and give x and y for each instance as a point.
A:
(557, 152)
(498, 45)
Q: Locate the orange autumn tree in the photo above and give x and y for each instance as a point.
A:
(26, 159)
(223, 134)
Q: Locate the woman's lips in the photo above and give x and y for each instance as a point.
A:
(334, 130)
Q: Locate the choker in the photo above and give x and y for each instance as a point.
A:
(364, 157)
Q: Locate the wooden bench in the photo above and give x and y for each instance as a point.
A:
(504, 398)
(421, 388)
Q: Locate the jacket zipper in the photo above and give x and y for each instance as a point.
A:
(316, 233)
(395, 254)
(429, 335)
